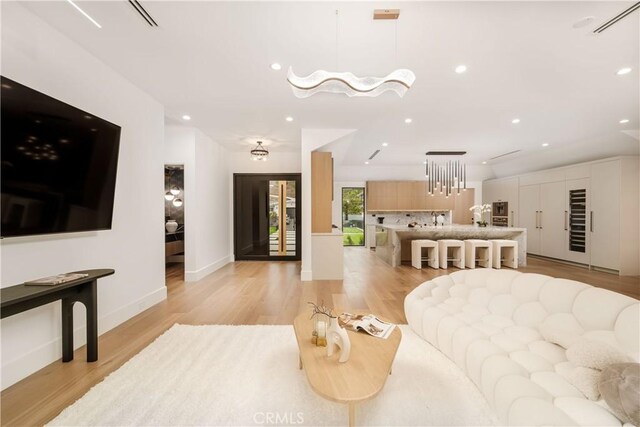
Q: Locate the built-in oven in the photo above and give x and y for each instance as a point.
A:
(500, 214)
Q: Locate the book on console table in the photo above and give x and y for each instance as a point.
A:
(58, 279)
(368, 323)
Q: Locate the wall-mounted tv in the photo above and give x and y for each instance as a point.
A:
(59, 165)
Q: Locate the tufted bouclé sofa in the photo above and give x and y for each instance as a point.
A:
(489, 323)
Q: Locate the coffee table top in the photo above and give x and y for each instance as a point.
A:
(361, 377)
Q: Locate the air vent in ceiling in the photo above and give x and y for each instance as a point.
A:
(375, 153)
(143, 12)
(446, 153)
(505, 154)
(617, 18)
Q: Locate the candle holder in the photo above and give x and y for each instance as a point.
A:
(321, 316)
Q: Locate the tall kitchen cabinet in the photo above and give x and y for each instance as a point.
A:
(613, 217)
(503, 190)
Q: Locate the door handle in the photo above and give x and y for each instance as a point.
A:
(565, 220)
(536, 219)
(512, 218)
(540, 220)
(591, 222)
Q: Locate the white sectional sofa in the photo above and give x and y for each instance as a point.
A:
(491, 324)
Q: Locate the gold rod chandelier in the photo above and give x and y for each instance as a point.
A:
(446, 178)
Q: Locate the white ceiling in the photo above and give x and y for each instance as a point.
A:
(211, 60)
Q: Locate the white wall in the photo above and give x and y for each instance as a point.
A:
(206, 194)
(35, 54)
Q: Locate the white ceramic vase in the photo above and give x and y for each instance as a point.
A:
(337, 336)
(171, 226)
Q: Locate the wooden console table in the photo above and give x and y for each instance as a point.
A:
(19, 298)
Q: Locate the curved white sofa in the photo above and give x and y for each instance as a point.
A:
(487, 321)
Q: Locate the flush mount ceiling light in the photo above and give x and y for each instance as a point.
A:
(515, 121)
(408, 120)
(623, 121)
(259, 152)
(484, 163)
(461, 69)
(186, 117)
(276, 67)
(398, 81)
(289, 118)
(623, 71)
(366, 162)
(385, 144)
(546, 144)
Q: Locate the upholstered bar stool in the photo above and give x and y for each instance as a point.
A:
(505, 252)
(480, 248)
(457, 252)
(416, 253)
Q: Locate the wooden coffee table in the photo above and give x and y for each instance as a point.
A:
(360, 378)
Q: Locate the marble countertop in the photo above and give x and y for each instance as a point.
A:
(454, 227)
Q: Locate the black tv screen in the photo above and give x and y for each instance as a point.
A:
(59, 165)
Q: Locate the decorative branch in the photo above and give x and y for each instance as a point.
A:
(321, 309)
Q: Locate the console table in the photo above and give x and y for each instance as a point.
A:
(19, 298)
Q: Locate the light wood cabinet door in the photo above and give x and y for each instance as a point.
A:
(529, 208)
(439, 202)
(382, 196)
(551, 221)
(412, 195)
(321, 192)
(604, 216)
(461, 205)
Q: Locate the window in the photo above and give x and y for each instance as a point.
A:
(353, 216)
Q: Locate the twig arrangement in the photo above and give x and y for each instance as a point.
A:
(321, 309)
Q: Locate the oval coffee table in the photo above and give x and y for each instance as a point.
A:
(358, 379)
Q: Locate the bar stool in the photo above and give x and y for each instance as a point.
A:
(484, 250)
(416, 253)
(505, 252)
(457, 252)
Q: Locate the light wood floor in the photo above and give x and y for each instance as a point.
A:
(244, 293)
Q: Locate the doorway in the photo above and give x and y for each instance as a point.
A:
(353, 216)
(266, 216)
(174, 247)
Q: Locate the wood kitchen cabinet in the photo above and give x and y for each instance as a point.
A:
(461, 205)
(382, 196)
(440, 202)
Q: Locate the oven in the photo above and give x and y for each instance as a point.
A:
(500, 214)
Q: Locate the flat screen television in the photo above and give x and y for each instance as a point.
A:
(59, 165)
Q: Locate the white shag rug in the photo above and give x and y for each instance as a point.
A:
(248, 375)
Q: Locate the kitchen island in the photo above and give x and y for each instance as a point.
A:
(393, 241)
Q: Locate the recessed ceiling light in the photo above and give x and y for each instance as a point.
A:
(385, 144)
(86, 15)
(623, 71)
(289, 118)
(186, 117)
(583, 22)
(484, 163)
(275, 66)
(623, 121)
(408, 120)
(424, 163)
(515, 121)
(546, 144)
(366, 163)
(461, 69)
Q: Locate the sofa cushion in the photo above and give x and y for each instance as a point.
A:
(586, 413)
(551, 352)
(555, 384)
(561, 328)
(530, 411)
(586, 380)
(595, 354)
(609, 305)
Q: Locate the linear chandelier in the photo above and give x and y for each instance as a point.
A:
(398, 81)
(446, 178)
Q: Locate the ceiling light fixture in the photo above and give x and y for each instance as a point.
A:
(385, 144)
(446, 177)
(623, 71)
(461, 69)
(186, 117)
(366, 162)
(177, 202)
(86, 15)
(276, 67)
(408, 120)
(168, 196)
(289, 118)
(515, 121)
(259, 152)
(623, 121)
(546, 144)
(484, 163)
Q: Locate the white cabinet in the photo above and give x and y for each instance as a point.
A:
(604, 215)
(551, 220)
(529, 208)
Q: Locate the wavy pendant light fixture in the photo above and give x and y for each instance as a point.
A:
(398, 81)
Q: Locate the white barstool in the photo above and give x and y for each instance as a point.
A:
(416, 253)
(483, 249)
(457, 252)
(505, 252)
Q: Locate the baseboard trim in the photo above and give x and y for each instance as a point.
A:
(41, 356)
(194, 276)
(306, 276)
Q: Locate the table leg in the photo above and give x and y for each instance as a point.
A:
(67, 329)
(300, 361)
(91, 303)
(352, 414)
